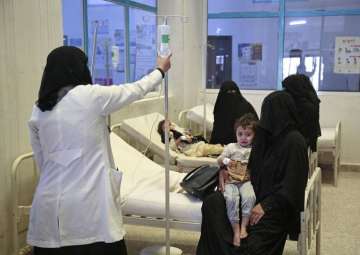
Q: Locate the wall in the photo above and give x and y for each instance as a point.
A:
(29, 30)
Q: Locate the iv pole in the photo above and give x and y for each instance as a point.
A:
(204, 47)
(93, 57)
(164, 31)
(94, 49)
(166, 161)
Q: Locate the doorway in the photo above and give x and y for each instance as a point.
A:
(219, 61)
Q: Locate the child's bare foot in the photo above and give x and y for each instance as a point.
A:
(243, 233)
(236, 239)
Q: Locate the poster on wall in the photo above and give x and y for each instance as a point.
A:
(248, 74)
(250, 56)
(250, 52)
(347, 55)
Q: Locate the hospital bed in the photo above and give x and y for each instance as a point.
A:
(197, 118)
(143, 130)
(143, 196)
(330, 143)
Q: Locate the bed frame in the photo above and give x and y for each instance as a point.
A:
(310, 217)
(330, 143)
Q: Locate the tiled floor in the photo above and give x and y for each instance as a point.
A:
(340, 223)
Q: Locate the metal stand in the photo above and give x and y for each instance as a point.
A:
(160, 250)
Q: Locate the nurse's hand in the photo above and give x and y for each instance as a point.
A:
(164, 63)
(256, 214)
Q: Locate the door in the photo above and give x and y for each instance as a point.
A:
(219, 52)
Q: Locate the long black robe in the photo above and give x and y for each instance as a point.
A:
(307, 102)
(229, 106)
(279, 168)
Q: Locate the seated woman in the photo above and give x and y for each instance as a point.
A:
(193, 146)
(229, 106)
(278, 167)
(307, 102)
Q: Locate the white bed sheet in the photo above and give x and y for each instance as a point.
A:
(144, 129)
(196, 114)
(143, 186)
(327, 140)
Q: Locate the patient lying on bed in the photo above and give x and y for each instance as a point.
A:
(193, 146)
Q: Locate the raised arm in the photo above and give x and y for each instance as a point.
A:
(109, 99)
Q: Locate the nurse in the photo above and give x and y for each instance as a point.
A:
(76, 207)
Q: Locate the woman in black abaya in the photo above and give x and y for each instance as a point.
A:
(308, 105)
(229, 106)
(279, 168)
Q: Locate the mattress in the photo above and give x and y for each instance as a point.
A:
(143, 186)
(196, 114)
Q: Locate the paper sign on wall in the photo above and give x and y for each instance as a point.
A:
(347, 55)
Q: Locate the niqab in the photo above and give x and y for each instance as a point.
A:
(307, 103)
(229, 106)
(278, 119)
(66, 67)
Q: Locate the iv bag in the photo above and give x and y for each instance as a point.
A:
(163, 40)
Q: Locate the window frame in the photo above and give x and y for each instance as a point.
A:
(282, 14)
(127, 4)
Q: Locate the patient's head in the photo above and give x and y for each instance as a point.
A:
(245, 129)
(161, 128)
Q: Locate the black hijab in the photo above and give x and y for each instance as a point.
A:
(229, 106)
(276, 165)
(278, 116)
(307, 103)
(66, 67)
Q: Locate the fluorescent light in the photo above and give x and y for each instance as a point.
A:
(297, 22)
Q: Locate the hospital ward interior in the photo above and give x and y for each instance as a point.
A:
(256, 44)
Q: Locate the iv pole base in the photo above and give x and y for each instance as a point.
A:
(160, 250)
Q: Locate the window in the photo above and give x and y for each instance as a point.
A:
(147, 2)
(142, 43)
(120, 34)
(249, 56)
(216, 6)
(73, 23)
(311, 45)
(320, 5)
(257, 45)
(107, 21)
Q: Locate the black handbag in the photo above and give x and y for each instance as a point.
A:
(201, 181)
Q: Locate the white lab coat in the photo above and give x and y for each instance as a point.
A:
(77, 200)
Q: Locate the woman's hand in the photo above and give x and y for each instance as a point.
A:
(223, 175)
(256, 214)
(164, 63)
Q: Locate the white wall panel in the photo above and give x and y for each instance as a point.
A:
(29, 31)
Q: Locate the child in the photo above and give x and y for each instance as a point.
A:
(235, 158)
(194, 146)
